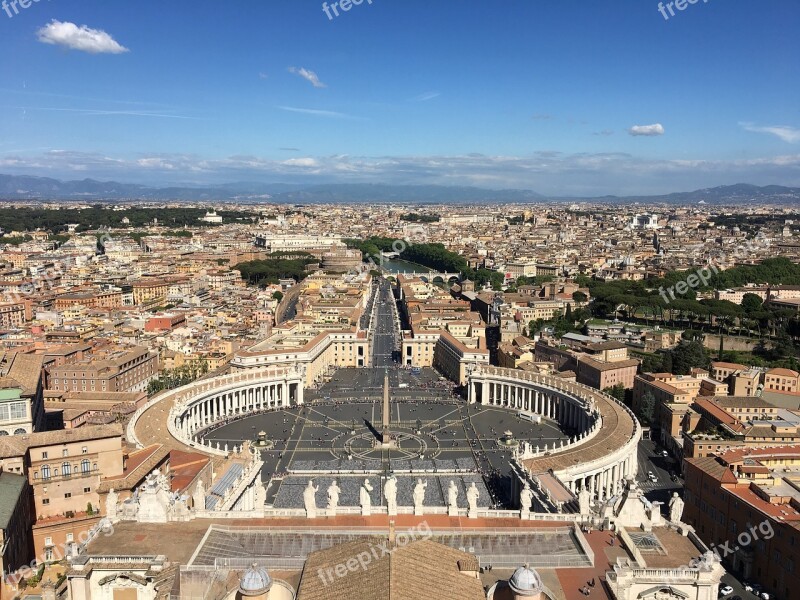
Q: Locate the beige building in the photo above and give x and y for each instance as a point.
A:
(21, 401)
(64, 469)
(781, 380)
(107, 370)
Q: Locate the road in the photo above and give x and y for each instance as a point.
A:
(385, 328)
(650, 459)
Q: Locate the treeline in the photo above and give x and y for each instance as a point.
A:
(172, 378)
(433, 256)
(660, 296)
(95, 217)
(272, 270)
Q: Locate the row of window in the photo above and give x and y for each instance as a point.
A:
(65, 452)
(13, 411)
(66, 470)
(18, 431)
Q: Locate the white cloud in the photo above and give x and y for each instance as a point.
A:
(83, 38)
(301, 162)
(647, 130)
(316, 112)
(308, 75)
(426, 96)
(104, 112)
(546, 172)
(784, 132)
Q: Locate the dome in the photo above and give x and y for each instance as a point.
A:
(255, 581)
(525, 582)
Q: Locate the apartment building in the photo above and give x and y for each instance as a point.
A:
(596, 363)
(601, 374)
(150, 291)
(100, 299)
(21, 401)
(747, 500)
(15, 314)
(64, 470)
(782, 380)
(115, 369)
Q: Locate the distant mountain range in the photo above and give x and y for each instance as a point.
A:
(16, 187)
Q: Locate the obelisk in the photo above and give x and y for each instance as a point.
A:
(386, 438)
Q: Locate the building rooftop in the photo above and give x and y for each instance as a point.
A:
(11, 486)
(18, 445)
(422, 569)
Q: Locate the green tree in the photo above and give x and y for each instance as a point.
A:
(647, 408)
(688, 355)
(617, 391)
(579, 297)
(751, 304)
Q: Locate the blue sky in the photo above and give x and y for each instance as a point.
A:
(539, 95)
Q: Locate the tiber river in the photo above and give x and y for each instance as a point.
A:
(396, 265)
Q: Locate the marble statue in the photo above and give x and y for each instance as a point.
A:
(472, 500)
(199, 496)
(452, 499)
(310, 499)
(390, 492)
(365, 499)
(111, 504)
(584, 501)
(419, 496)
(333, 498)
(260, 498)
(525, 498)
(675, 508)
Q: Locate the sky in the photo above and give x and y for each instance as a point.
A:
(563, 97)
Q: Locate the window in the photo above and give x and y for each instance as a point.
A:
(84, 450)
(48, 541)
(45, 501)
(44, 455)
(45, 471)
(85, 466)
(70, 537)
(68, 495)
(87, 490)
(66, 469)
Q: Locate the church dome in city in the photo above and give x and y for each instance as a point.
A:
(525, 582)
(255, 581)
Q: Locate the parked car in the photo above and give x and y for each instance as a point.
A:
(725, 590)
